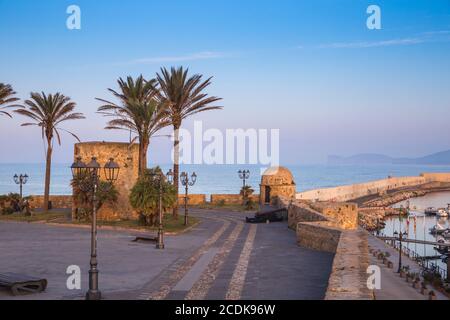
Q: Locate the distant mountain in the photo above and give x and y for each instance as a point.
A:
(440, 158)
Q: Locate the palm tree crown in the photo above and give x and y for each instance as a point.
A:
(182, 96)
(48, 111)
(138, 112)
(6, 97)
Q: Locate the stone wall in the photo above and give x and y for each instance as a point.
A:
(348, 279)
(436, 177)
(354, 191)
(127, 156)
(322, 236)
(231, 198)
(193, 199)
(344, 214)
(331, 227)
(302, 212)
(60, 202)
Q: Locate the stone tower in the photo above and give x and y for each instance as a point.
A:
(127, 156)
(276, 181)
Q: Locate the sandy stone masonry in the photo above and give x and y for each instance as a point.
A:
(276, 182)
(127, 156)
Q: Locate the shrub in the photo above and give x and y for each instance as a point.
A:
(250, 205)
(221, 203)
(7, 211)
(144, 196)
(106, 193)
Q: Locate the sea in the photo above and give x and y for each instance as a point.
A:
(220, 179)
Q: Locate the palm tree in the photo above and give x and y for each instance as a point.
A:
(6, 97)
(48, 111)
(138, 112)
(182, 97)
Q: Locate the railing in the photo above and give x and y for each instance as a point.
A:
(425, 264)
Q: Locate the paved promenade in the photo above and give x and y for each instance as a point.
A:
(221, 258)
(392, 286)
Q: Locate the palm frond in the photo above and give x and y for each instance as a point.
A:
(48, 111)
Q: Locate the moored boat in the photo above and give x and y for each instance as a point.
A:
(430, 211)
(438, 229)
(442, 213)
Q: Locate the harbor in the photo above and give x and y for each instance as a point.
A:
(422, 229)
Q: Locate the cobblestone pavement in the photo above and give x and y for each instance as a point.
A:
(221, 258)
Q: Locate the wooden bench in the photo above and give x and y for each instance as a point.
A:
(21, 284)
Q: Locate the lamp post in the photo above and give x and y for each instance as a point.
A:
(20, 180)
(88, 176)
(244, 175)
(160, 177)
(401, 235)
(187, 182)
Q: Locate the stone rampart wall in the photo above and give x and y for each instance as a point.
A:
(60, 202)
(354, 191)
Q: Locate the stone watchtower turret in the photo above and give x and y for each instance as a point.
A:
(276, 181)
(127, 156)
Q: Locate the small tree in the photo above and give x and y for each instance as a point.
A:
(246, 193)
(144, 196)
(106, 193)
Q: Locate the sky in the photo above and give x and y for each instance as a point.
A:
(309, 68)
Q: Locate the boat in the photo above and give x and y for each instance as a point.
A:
(438, 229)
(442, 249)
(430, 211)
(442, 213)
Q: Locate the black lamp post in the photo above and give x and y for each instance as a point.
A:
(160, 177)
(401, 236)
(187, 182)
(244, 175)
(20, 180)
(88, 176)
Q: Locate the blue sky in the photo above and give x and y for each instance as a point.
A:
(310, 68)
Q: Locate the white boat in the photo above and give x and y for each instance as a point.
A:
(442, 213)
(438, 229)
(430, 211)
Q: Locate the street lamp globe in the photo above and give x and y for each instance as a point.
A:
(78, 168)
(184, 178)
(111, 170)
(169, 176)
(93, 166)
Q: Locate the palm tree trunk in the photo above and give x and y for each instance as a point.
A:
(48, 165)
(143, 148)
(176, 166)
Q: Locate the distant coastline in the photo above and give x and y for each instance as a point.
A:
(440, 158)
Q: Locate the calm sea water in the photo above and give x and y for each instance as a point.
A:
(220, 178)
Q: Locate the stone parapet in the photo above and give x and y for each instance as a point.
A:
(231, 198)
(193, 199)
(302, 212)
(60, 202)
(348, 279)
(322, 236)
